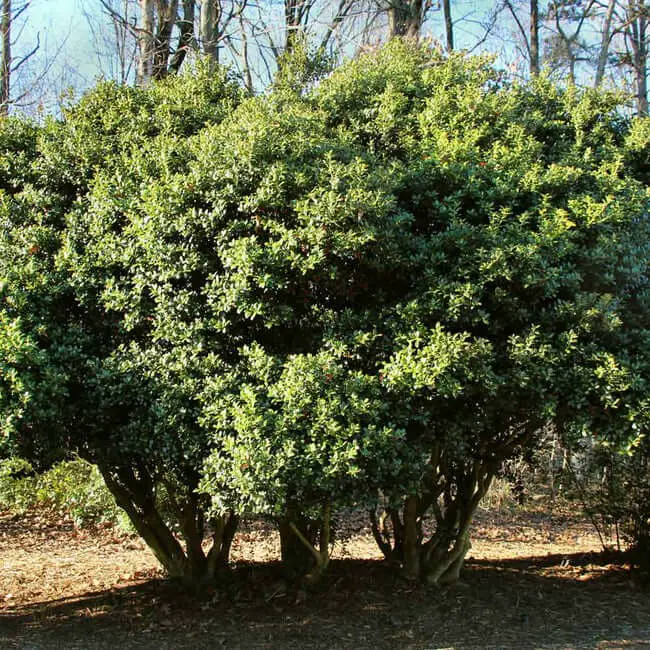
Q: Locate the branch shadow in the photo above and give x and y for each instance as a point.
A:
(555, 601)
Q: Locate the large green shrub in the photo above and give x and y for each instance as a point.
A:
(78, 375)
(473, 251)
(373, 290)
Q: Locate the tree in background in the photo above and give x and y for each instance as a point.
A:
(11, 27)
(406, 17)
(526, 17)
(272, 31)
(5, 72)
(566, 45)
(165, 32)
(116, 46)
(633, 25)
(586, 42)
(580, 41)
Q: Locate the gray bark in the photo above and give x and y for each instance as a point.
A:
(534, 38)
(209, 28)
(604, 43)
(405, 18)
(146, 43)
(167, 17)
(638, 29)
(186, 38)
(5, 63)
(449, 25)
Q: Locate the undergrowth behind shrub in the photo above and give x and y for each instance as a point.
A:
(73, 489)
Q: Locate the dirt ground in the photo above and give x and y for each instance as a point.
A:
(532, 580)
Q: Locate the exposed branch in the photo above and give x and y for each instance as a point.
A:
(29, 54)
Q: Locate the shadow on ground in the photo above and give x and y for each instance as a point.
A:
(574, 601)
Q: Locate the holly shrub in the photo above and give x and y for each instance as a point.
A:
(370, 291)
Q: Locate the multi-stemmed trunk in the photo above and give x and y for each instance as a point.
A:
(134, 492)
(305, 544)
(450, 500)
(157, 23)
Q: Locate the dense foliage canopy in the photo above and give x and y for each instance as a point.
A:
(369, 292)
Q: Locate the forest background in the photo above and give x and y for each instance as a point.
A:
(55, 49)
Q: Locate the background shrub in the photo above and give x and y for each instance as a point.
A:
(73, 489)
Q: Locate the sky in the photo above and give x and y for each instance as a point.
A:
(64, 38)
(67, 40)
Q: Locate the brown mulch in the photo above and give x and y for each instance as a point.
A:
(532, 580)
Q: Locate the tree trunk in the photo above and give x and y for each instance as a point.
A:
(534, 38)
(218, 557)
(412, 540)
(5, 64)
(636, 38)
(449, 25)
(604, 44)
(167, 16)
(135, 495)
(294, 13)
(121, 44)
(244, 57)
(186, 37)
(305, 545)
(296, 557)
(641, 60)
(444, 566)
(453, 501)
(209, 29)
(138, 502)
(146, 43)
(405, 18)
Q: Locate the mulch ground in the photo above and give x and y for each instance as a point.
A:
(533, 580)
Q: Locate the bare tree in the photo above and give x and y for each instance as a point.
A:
(146, 42)
(405, 17)
(12, 23)
(315, 21)
(463, 23)
(534, 38)
(166, 31)
(566, 46)
(634, 27)
(449, 25)
(116, 45)
(624, 46)
(167, 16)
(5, 70)
(153, 27)
(186, 40)
(605, 41)
(270, 29)
(218, 21)
(296, 20)
(209, 27)
(529, 34)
